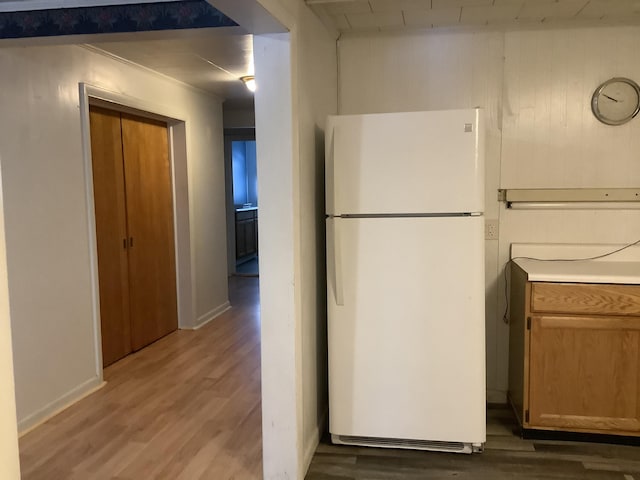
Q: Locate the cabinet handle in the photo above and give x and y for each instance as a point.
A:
(124, 243)
(131, 242)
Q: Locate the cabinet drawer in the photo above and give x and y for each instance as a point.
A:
(598, 299)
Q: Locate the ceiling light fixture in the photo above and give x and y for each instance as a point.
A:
(249, 82)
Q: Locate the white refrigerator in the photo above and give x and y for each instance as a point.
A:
(405, 280)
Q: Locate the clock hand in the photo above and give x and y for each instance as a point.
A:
(611, 98)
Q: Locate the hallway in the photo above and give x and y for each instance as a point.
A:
(185, 408)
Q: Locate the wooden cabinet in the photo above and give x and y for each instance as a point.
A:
(575, 356)
(134, 231)
(246, 234)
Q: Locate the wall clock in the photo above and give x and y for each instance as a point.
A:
(616, 101)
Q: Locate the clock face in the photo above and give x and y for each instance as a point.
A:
(616, 101)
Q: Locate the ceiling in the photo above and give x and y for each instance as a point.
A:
(211, 59)
(378, 15)
(214, 59)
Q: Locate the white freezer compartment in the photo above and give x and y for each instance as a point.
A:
(416, 162)
(406, 328)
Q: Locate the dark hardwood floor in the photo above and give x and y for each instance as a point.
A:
(250, 268)
(506, 457)
(185, 408)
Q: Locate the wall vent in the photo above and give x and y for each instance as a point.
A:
(455, 447)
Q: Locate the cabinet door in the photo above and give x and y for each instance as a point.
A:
(152, 290)
(111, 231)
(585, 373)
(246, 234)
(241, 238)
(252, 237)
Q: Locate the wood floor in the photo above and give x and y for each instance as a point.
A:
(506, 457)
(188, 408)
(185, 408)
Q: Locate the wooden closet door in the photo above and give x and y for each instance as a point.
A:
(111, 231)
(152, 270)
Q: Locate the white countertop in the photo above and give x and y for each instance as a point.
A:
(246, 209)
(622, 267)
(581, 271)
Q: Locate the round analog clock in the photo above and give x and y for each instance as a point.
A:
(616, 101)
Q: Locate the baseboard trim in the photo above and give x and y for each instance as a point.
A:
(54, 408)
(314, 440)
(209, 316)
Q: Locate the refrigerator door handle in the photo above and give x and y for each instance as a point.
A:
(332, 180)
(337, 262)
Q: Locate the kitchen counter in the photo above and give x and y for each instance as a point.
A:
(574, 339)
(620, 268)
(246, 209)
(580, 271)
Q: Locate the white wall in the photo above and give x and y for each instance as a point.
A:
(542, 132)
(551, 138)
(9, 460)
(235, 116)
(279, 256)
(46, 212)
(292, 236)
(317, 98)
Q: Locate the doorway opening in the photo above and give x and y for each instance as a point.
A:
(242, 201)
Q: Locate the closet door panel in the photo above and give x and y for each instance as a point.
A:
(152, 285)
(110, 210)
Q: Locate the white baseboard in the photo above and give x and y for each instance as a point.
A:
(65, 401)
(496, 396)
(314, 440)
(209, 316)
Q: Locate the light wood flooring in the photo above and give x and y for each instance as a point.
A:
(185, 408)
(506, 457)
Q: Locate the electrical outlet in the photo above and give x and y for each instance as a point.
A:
(491, 229)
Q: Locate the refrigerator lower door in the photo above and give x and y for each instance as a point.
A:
(406, 332)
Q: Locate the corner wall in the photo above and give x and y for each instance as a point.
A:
(293, 307)
(9, 460)
(317, 97)
(279, 253)
(46, 212)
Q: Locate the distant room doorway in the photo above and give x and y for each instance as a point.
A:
(242, 201)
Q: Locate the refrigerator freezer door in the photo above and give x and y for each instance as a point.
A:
(418, 162)
(406, 330)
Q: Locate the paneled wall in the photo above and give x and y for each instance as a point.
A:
(551, 138)
(536, 87)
